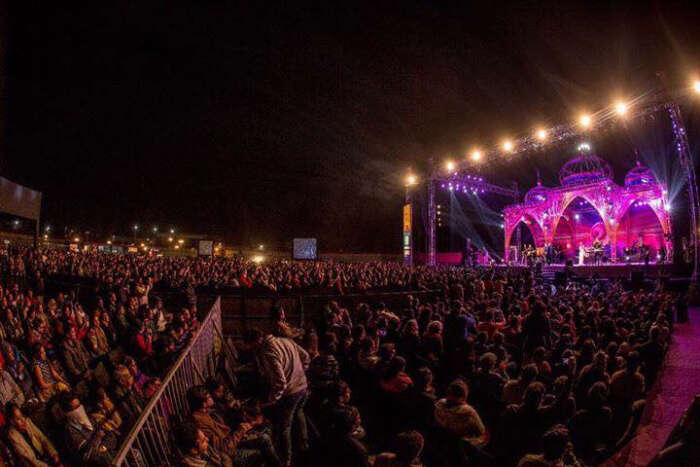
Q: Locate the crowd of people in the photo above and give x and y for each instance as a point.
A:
(492, 367)
(76, 372)
(206, 272)
(496, 369)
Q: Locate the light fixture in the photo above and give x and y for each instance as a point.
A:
(411, 180)
(507, 145)
(585, 121)
(621, 108)
(476, 155)
(696, 86)
(450, 166)
(541, 134)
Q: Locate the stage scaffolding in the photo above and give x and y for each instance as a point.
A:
(644, 106)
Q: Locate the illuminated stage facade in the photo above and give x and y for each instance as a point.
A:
(590, 211)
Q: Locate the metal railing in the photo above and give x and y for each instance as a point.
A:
(241, 311)
(150, 441)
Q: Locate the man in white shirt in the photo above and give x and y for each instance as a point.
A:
(283, 365)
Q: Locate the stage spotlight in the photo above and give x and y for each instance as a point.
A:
(411, 180)
(508, 146)
(542, 134)
(696, 86)
(476, 155)
(621, 108)
(577, 216)
(450, 166)
(585, 121)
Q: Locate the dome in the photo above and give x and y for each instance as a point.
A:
(585, 168)
(639, 175)
(537, 194)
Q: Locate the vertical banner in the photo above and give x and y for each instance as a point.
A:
(407, 246)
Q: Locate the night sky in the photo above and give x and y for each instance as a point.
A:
(263, 123)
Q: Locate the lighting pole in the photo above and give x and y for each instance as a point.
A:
(411, 181)
(432, 214)
(683, 149)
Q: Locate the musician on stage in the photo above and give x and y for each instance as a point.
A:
(597, 248)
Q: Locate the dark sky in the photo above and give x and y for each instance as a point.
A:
(264, 123)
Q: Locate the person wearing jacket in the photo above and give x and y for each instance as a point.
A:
(283, 364)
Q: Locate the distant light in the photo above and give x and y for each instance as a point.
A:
(577, 216)
(155, 229)
(508, 146)
(46, 237)
(450, 166)
(621, 108)
(170, 239)
(585, 121)
(612, 221)
(542, 134)
(177, 247)
(667, 208)
(16, 222)
(476, 155)
(411, 180)
(109, 242)
(76, 239)
(696, 86)
(172, 231)
(142, 245)
(627, 258)
(136, 227)
(181, 241)
(258, 259)
(568, 245)
(261, 247)
(47, 228)
(584, 147)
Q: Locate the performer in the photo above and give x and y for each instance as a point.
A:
(548, 252)
(597, 248)
(662, 254)
(644, 253)
(581, 253)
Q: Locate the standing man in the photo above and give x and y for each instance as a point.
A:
(283, 366)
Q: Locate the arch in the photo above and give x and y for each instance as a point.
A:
(661, 216)
(532, 225)
(571, 228)
(642, 222)
(584, 197)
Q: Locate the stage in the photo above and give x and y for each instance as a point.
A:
(605, 271)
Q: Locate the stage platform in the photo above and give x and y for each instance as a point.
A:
(606, 271)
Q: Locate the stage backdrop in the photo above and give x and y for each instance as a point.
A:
(19, 200)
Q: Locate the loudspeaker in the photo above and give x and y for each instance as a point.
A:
(637, 277)
(559, 278)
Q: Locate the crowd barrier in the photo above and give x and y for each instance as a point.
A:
(241, 311)
(150, 441)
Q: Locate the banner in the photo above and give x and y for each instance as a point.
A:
(407, 249)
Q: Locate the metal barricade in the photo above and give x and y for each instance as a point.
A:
(150, 441)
